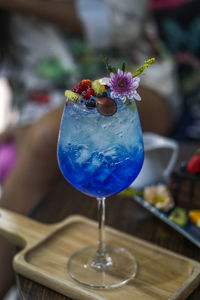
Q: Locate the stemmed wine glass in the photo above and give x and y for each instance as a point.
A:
(100, 156)
(100, 152)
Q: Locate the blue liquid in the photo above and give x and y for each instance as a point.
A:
(98, 155)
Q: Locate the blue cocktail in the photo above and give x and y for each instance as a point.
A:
(100, 155)
(100, 152)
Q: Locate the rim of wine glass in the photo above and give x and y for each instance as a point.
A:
(82, 107)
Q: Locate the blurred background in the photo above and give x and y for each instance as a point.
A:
(47, 46)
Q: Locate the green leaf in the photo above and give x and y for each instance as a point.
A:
(133, 106)
(109, 67)
(128, 101)
(124, 66)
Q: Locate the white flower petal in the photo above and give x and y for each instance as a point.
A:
(106, 80)
(136, 82)
(129, 74)
(137, 96)
(120, 72)
(123, 98)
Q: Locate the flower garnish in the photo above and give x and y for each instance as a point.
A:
(123, 84)
(104, 94)
(159, 196)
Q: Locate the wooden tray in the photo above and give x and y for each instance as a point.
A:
(162, 274)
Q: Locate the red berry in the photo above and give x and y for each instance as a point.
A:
(193, 165)
(90, 91)
(106, 106)
(82, 86)
(87, 96)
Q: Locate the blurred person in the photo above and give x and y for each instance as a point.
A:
(46, 60)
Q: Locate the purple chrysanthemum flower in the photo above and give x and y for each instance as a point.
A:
(122, 85)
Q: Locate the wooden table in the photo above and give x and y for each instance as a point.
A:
(122, 213)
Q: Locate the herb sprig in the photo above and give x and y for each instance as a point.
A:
(110, 68)
(141, 69)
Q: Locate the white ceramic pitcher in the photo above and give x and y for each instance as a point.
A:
(158, 164)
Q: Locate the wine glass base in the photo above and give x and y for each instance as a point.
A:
(121, 268)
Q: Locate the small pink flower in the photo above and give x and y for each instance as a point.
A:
(122, 85)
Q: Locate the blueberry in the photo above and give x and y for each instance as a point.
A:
(108, 92)
(103, 94)
(90, 103)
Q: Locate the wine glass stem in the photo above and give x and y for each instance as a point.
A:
(101, 222)
(102, 258)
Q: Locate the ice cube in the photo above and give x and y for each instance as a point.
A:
(94, 162)
(110, 152)
(82, 155)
